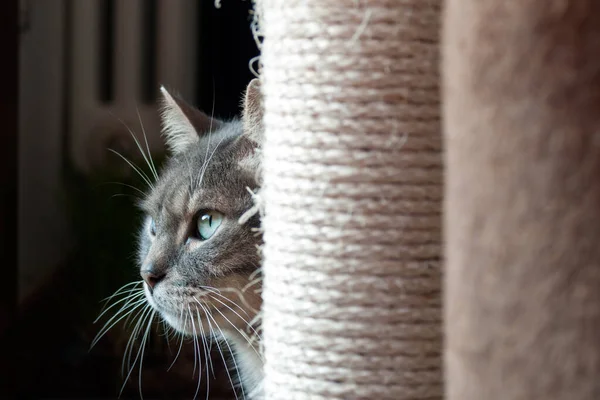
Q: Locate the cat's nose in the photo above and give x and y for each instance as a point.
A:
(151, 276)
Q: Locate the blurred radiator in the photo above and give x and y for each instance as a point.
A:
(120, 51)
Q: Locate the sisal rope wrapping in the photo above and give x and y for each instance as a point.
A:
(352, 192)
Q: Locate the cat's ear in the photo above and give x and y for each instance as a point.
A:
(253, 112)
(252, 118)
(183, 124)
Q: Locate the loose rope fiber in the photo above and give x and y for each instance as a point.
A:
(352, 191)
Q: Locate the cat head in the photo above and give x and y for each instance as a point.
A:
(197, 260)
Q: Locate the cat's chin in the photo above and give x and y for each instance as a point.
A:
(180, 326)
(183, 323)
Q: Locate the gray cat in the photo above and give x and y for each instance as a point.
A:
(198, 248)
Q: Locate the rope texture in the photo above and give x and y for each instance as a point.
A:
(352, 191)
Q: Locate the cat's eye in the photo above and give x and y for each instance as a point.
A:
(208, 223)
(152, 227)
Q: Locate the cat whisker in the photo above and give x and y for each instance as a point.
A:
(141, 315)
(206, 335)
(126, 195)
(218, 293)
(206, 161)
(149, 160)
(127, 298)
(127, 323)
(138, 190)
(122, 288)
(210, 131)
(209, 316)
(115, 319)
(147, 315)
(209, 341)
(166, 333)
(137, 142)
(199, 179)
(178, 352)
(191, 188)
(242, 333)
(181, 338)
(194, 336)
(110, 324)
(205, 167)
(197, 354)
(207, 356)
(137, 289)
(137, 169)
(130, 340)
(242, 298)
(211, 288)
(143, 349)
(238, 315)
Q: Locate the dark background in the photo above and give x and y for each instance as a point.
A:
(45, 340)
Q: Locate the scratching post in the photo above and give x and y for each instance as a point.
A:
(522, 126)
(352, 192)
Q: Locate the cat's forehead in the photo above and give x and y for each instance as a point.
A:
(182, 187)
(206, 176)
